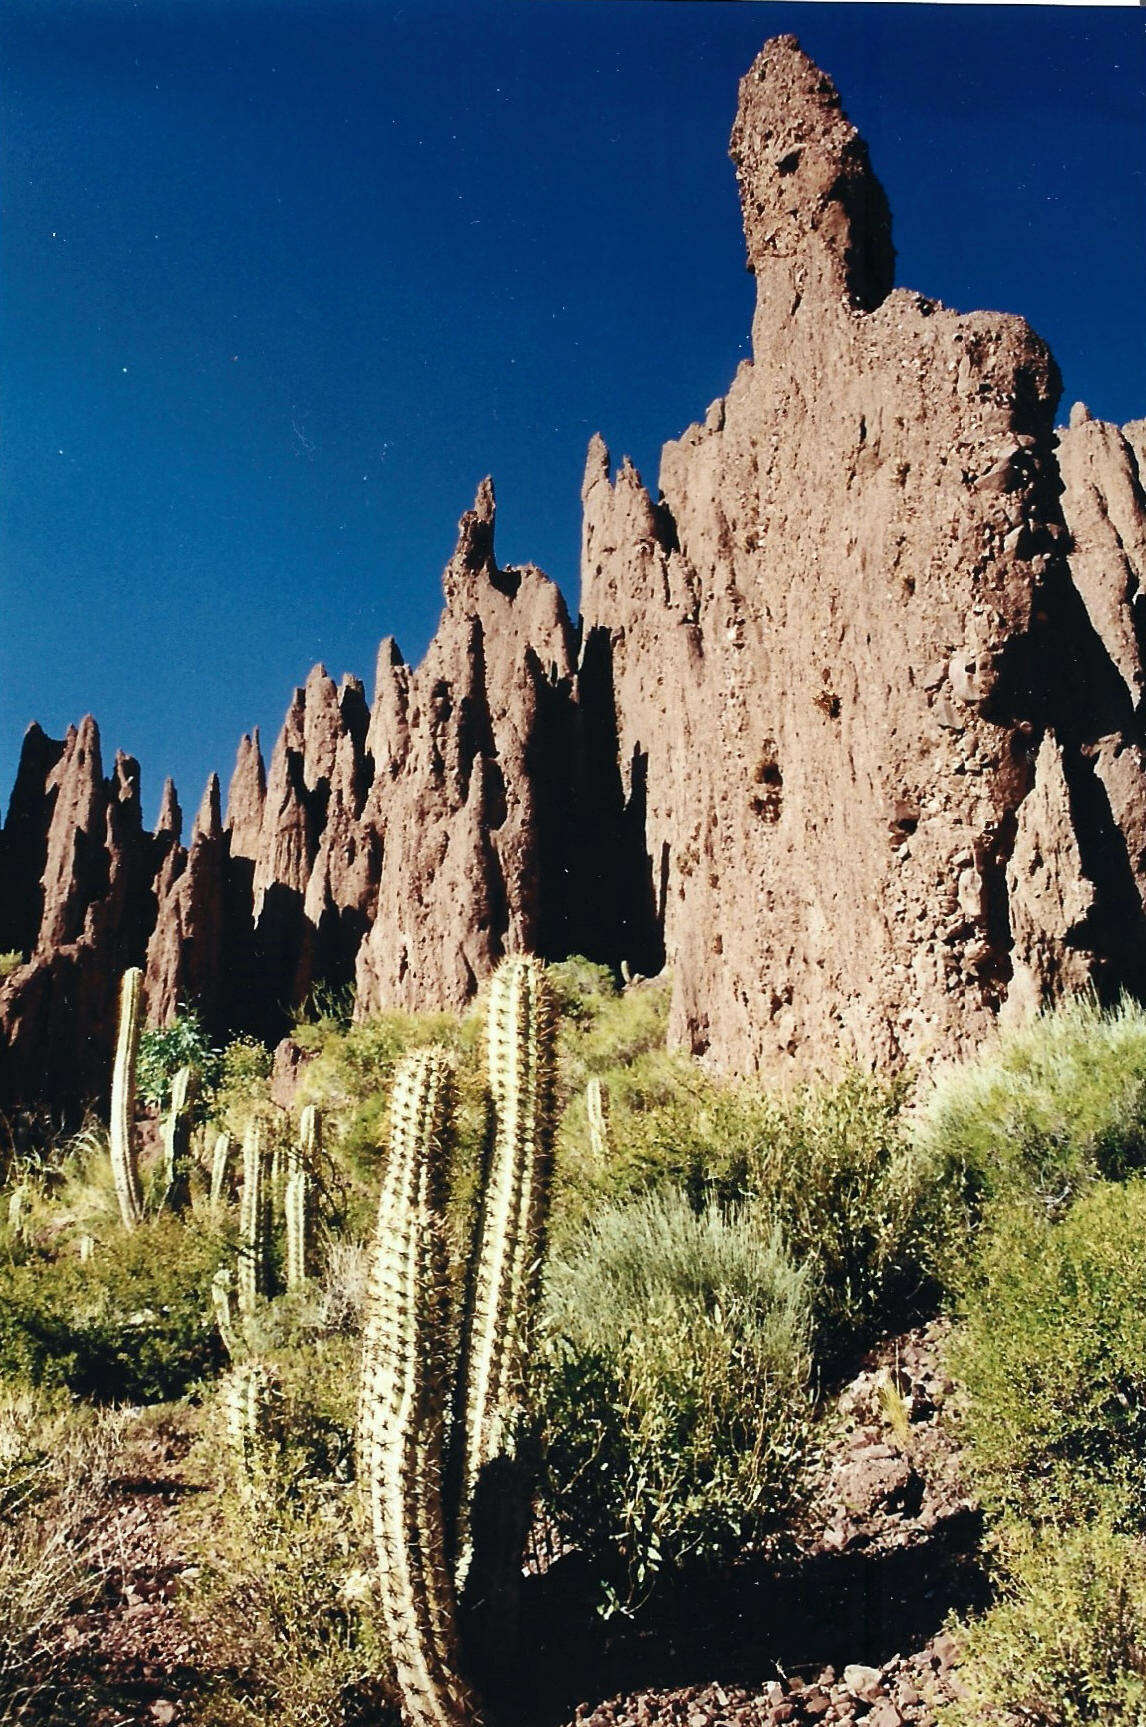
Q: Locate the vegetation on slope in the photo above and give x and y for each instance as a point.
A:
(718, 1256)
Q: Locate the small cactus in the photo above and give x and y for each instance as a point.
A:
(177, 1142)
(17, 1208)
(298, 1199)
(254, 1219)
(252, 1400)
(222, 1304)
(597, 1111)
(125, 1167)
(299, 1209)
(402, 1407)
(220, 1171)
(86, 1248)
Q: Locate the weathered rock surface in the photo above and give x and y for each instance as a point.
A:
(836, 641)
(852, 735)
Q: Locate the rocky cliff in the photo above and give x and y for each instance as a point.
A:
(850, 733)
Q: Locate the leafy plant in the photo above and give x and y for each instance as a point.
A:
(834, 1167)
(1053, 1357)
(1065, 1642)
(163, 1050)
(131, 1325)
(10, 961)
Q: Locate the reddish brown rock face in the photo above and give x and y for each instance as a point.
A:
(832, 645)
(852, 737)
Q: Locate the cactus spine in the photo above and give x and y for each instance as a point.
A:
(597, 1111)
(220, 1170)
(124, 1166)
(177, 1142)
(521, 1040)
(403, 1399)
(254, 1219)
(298, 1201)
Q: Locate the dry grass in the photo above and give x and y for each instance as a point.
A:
(55, 1465)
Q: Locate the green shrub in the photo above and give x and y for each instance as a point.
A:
(834, 1167)
(164, 1049)
(672, 1389)
(10, 961)
(131, 1325)
(241, 1083)
(1054, 1106)
(1053, 1357)
(1065, 1642)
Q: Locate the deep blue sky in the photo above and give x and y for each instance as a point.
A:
(281, 282)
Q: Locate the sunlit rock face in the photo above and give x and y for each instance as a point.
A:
(850, 734)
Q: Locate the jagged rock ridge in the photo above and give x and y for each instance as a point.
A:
(851, 733)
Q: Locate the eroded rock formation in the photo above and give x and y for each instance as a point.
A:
(851, 734)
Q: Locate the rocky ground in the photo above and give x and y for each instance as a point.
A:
(851, 1631)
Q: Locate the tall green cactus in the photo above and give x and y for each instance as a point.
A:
(306, 1153)
(403, 1399)
(521, 1032)
(446, 1523)
(254, 1219)
(177, 1142)
(124, 1164)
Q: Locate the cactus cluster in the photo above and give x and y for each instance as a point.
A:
(422, 1471)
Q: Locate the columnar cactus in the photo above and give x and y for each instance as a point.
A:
(220, 1171)
(298, 1207)
(443, 1524)
(597, 1110)
(125, 1167)
(521, 1038)
(298, 1200)
(177, 1142)
(403, 1399)
(254, 1219)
